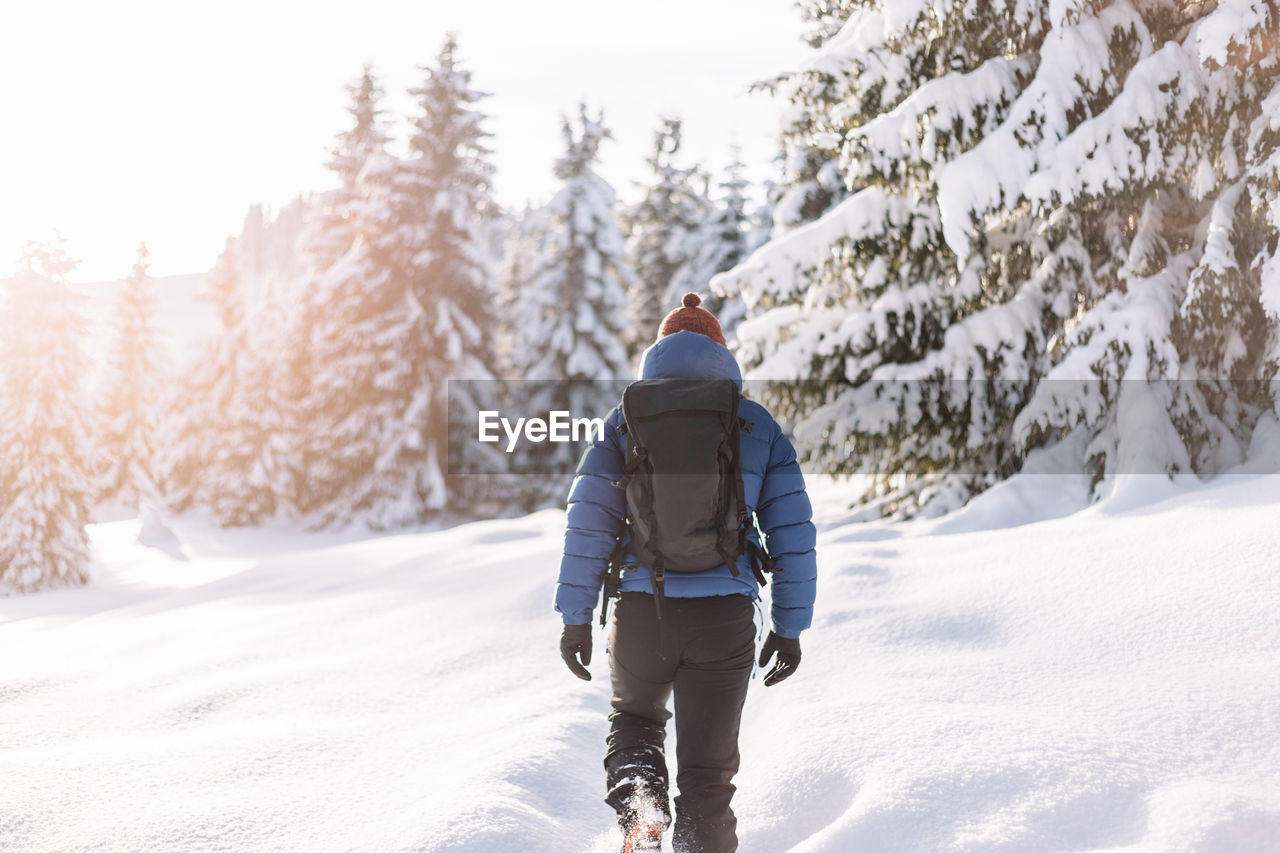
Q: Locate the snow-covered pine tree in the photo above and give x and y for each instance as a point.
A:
(1059, 232)
(330, 230)
(304, 469)
(812, 129)
(569, 307)
(719, 243)
(279, 430)
(405, 312)
(45, 449)
(356, 310)
(455, 279)
(660, 230)
(320, 332)
(760, 227)
(129, 414)
(520, 251)
(278, 364)
(217, 451)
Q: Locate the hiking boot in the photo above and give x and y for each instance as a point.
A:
(643, 836)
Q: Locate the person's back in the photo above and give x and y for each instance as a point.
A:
(702, 646)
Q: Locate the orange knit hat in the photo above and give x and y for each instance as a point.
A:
(691, 318)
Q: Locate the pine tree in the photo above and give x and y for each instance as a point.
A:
(572, 315)
(302, 339)
(661, 231)
(45, 450)
(520, 249)
(280, 297)
(719, 243)
(403, 312)
(1056, 235)
(320, 333)
(454, 276)
(760, 227)
(812, 132)
(570, 299)
(351, 404)
(218, 453)
(275, 425)
(331, 231)
(129, 414)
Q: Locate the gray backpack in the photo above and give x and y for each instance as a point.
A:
(683, 481)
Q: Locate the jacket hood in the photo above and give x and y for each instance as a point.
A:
(689, 355)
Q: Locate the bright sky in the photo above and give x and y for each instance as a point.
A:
(163, 121)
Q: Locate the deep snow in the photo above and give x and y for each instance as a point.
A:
(1104, 680)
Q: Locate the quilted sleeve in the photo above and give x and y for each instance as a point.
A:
(593, 521)
(785, 517)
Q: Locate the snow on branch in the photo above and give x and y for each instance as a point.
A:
(1076, 62)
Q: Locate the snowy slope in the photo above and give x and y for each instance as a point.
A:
(1106, 680)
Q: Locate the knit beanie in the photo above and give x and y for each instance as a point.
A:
(691, 318)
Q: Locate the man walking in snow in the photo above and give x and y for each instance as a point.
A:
(696, 637)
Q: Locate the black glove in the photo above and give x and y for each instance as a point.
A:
(788, 650)
(575, 642)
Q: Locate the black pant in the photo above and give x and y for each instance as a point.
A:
(702, 650)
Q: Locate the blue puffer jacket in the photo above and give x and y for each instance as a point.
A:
(774, 490)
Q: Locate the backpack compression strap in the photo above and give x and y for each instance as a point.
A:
(726, 460)
(658, 574)
(612, 580)
(761, 562)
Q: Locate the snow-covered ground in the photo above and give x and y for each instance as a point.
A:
(1105, 680)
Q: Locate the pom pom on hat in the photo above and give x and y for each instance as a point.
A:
(692, 318)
